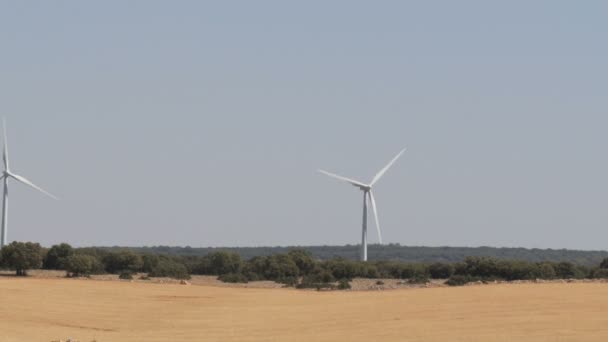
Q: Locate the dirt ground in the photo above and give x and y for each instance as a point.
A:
(53, 309)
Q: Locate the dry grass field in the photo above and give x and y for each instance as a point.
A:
(35, 309)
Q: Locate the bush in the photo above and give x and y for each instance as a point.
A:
(20, 256)
(219, 263)
(566, 270)
(318, 286)
(545, 270)
(126, 275)
(343, 284)
(288, 281)
(345, 269)
(233, 278)
(459, 280)
(483, 267)
(319, 275)
(418, 279)
(517, 270)
(440, 270)
(56, 257)
(122, 261)
(600, 273)
(280, 266)
(149, 262)
(80, 265)
(303, 260)
(604, 263)
(170, 269)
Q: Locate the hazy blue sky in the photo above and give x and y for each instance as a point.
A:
(203, 124)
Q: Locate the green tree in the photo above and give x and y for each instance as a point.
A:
(150, 262)
(303, 260)
(22, 256)
(56, 256)
(281, 268)
(440, 270)
(565, 270)
(78, 265)
(122, 261)
(546, 271)
(169, 268)
(224, 263)
(600, 273)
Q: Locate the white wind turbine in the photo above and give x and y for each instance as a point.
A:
(5, 176)
(367, 193)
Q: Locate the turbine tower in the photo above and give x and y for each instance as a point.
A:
(367, 194)
(5, 176)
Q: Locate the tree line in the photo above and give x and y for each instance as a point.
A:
(296, 267)
(395, 252)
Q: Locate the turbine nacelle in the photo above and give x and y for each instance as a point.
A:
(367, 188)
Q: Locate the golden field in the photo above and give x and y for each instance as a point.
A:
(34, 309)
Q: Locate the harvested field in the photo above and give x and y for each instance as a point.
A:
(35, 309)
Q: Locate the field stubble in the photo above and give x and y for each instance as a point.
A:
(50, 309)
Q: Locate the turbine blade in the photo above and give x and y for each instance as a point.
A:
(388, 166)
(373, 200)
(348, 180)
(27, 182)
(5, 154)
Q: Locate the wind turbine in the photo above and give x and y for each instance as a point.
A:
(5, 176)
(367, 193)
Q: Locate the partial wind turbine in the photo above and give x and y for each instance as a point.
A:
(5, 177)
(367, 194)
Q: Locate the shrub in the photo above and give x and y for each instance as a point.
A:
(418, 279)
(80, 265)
(517, 270)
(343, 284)
(149, 262)
(20, 256)
(370, 271)
(170, 269)
(440, 270)
(233, 278)
(126, 275)
(482, 267)
(122, 261)
(600, 273)
(219, 263)
(303, 260)
(278, 267)
(565, 270)
(288, 281)
(320, 275)
(604, 263)
(318, 286)
(545, 270)
(346, 269)
(56, 257)
(459, 280)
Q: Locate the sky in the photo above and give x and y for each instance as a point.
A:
(203, 123)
